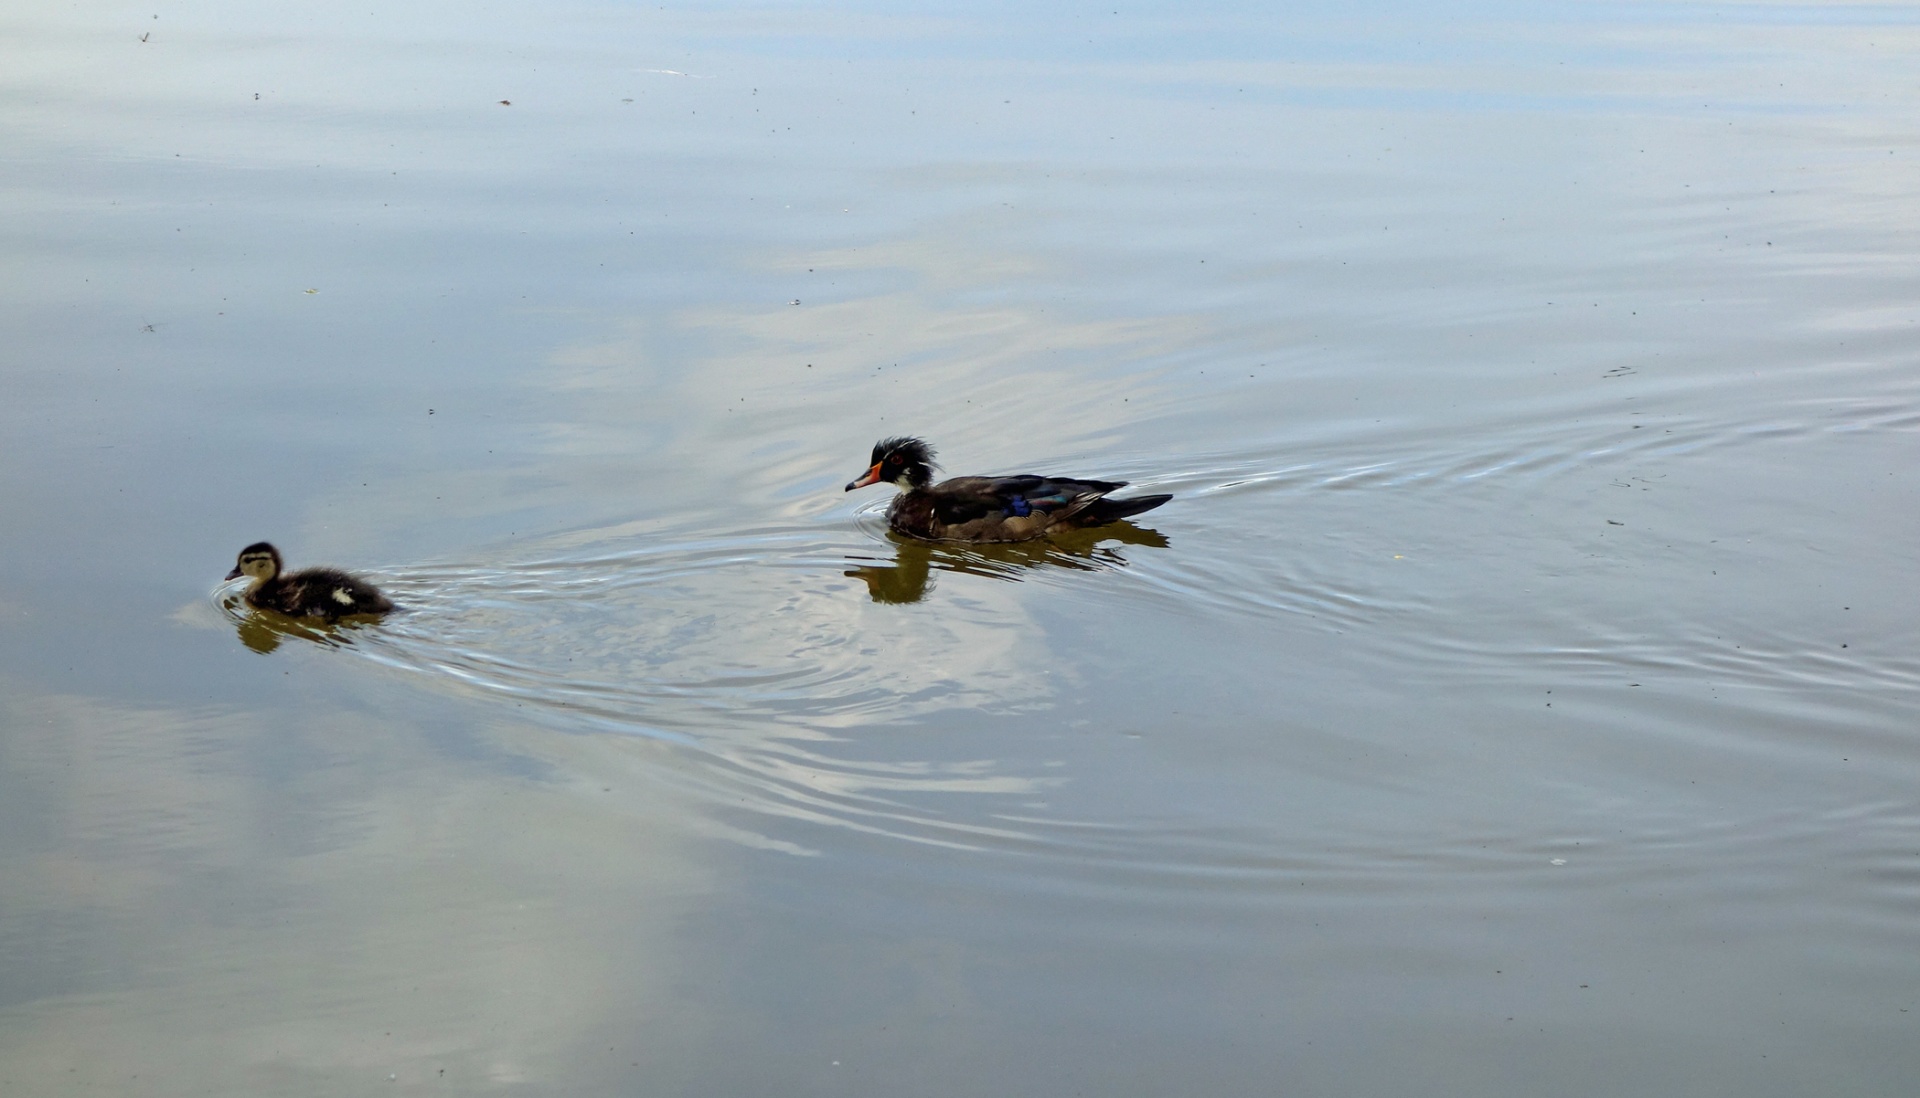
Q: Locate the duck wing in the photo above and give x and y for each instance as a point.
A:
(970, 499)
(329, 593)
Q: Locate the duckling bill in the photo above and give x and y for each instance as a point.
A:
(989, 509)
(309, 593)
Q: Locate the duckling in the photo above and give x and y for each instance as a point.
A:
(989, 509)
(309, 593)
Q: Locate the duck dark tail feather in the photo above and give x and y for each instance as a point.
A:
(1102, 511)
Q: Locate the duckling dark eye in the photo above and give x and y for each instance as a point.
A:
(895, 459)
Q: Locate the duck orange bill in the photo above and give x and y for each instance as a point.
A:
(233, 575)
(872, 476)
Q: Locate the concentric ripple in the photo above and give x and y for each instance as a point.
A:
(759, 653)
(821, 669)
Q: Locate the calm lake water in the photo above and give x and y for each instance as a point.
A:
(1520, 695)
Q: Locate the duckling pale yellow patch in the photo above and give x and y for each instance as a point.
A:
(343, 596)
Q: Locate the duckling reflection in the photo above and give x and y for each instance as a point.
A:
(909, 576)
(263, 630)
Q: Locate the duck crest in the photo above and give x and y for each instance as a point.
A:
(905, 461)
(912, 451)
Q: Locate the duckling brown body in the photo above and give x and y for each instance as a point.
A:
(990, 509)
(309, 593)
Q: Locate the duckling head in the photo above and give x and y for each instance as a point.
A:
(259, 560)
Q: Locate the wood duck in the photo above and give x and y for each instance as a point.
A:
(309, 593)
(989, 509)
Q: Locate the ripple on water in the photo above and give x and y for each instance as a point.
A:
(761, 654)
(779, 663)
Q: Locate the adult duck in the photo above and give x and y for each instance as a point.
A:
(989, 509)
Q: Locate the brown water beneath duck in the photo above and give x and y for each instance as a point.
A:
(1517, 696)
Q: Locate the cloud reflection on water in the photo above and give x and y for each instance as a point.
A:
(375, 905)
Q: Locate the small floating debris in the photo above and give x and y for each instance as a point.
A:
(1558, 861)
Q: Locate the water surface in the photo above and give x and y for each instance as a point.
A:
(1517, 696)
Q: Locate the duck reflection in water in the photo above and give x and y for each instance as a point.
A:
(910, 574)
(264, 630)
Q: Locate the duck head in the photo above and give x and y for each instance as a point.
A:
(907, 462)
(259, 560)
